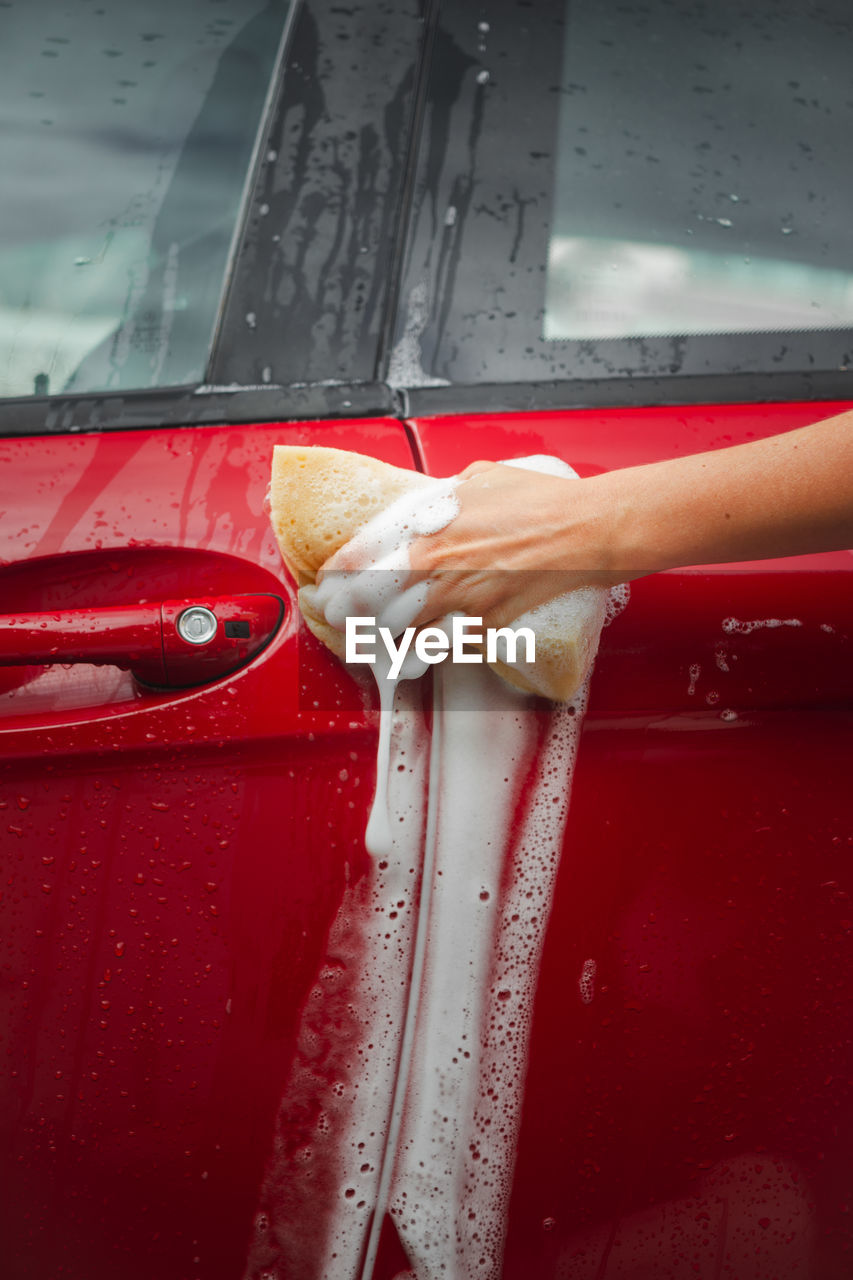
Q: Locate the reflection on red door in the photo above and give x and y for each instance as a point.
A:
(689, 1107)
(173, 862)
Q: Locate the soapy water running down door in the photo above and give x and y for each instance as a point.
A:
(172, 859)
(175, 865)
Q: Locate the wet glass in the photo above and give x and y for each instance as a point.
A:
(702, 180)
(129, 134)
(612, 191)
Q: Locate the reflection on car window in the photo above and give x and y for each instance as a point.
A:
(129, 131)
(701, 184)
(613, 190)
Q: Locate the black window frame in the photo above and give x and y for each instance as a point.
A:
(347, 88)
(476, 74)
(385, 64)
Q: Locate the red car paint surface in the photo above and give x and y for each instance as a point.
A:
(173, 861)
(695, 1113)
(146, 639)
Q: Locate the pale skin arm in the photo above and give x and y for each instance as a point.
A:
(522, 537)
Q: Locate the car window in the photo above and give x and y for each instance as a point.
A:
(700, 185)
(130, 133)
(631, 191)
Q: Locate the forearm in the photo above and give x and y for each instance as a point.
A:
(521, 537)
(786, 495)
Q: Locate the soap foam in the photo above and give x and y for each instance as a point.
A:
(412, 1105)
(736, 626)
(498, 851)
(322, 1178)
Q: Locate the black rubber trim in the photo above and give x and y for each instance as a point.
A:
(317, 401)
(397, 254)
(184, 406)
(626, 393)
(308, 296)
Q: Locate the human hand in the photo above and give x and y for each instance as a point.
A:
(519, 538)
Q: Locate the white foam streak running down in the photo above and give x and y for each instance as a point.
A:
(494, 806)
(531, 863)
(379, 588)
(494, 879)
(322, 1178)
(485, 753)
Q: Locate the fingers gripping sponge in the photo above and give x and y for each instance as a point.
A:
(320, 498)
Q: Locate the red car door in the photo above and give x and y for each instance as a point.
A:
(176, 833)
(627, 242)
(688, 1084)
(427, 233)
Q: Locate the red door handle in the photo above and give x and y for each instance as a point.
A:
(169, 644)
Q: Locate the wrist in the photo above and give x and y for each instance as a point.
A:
(633, 532)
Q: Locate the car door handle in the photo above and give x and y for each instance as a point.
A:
(170, 644)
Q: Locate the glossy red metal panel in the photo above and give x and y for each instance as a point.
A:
(766, 634)
(173, 863)
(164, 917)
(130, 517)
(595, 440)
(121, 635)
(145, 639)
(690, 1112)
(688, 1104)
(171, 860)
